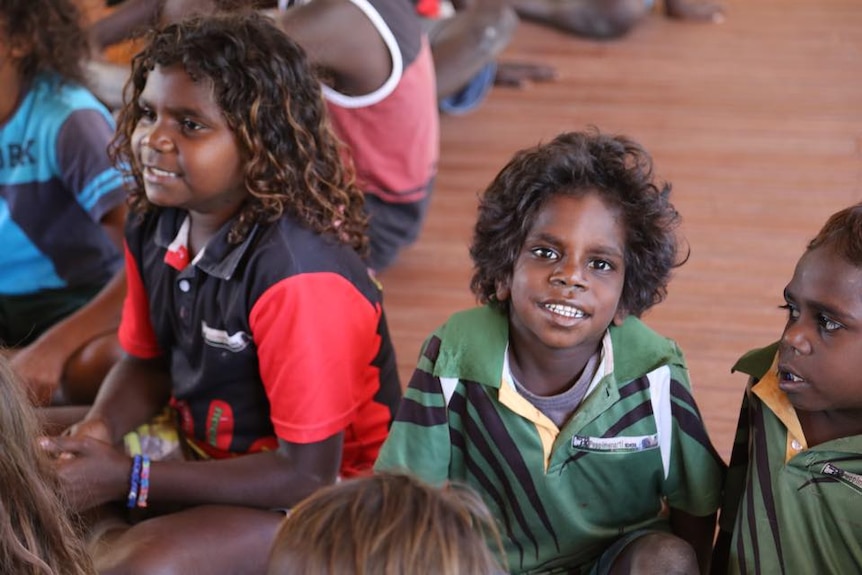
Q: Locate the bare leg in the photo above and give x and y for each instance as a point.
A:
(463, 44)
(55, 420)
(86, 369)
(207, 539)
(657, 554)
(603, 19)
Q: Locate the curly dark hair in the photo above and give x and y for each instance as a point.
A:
(53, 32)
(272, 101)
(575, 164)
(843, 233)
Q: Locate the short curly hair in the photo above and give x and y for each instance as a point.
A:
(53, 31)
(842, 232)
(576, 164)
(272, 101)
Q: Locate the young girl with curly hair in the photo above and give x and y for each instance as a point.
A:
(61, 207)
(249, 308)
(378, 81)
(572, 418)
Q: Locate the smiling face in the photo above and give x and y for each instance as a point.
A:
(567, 280)
(187, 153)
(820, 356)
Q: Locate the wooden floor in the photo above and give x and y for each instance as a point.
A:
(756, 122)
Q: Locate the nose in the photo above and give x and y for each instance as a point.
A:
(568, 274)
(795, 337)
(156, 137)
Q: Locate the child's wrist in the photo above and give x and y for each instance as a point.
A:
(138, 482)
(134, 482)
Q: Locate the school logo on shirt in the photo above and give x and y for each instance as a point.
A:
(619, 444)
(234, 342)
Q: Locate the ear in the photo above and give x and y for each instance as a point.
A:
(503, 289)
(20, 48)
(620, 316)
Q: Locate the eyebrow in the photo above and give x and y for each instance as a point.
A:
(820, 307)
(180, 112)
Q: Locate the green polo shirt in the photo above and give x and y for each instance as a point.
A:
(788, 508)
(635, 445)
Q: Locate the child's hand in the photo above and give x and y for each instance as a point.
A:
(91, 427)
(40, 367)
(701, 11)
(92, 472)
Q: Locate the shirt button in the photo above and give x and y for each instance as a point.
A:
(796, 445)
(185, 286)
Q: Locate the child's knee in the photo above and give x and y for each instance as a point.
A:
(657, 553)
(138, 560)
(615, 18)
(87, 367)
(150, 563)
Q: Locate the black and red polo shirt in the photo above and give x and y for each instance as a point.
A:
(283, 336)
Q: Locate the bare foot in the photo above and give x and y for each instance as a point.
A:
(521, 74)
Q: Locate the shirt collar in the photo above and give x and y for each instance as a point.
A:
(218, 258)
(777, 401)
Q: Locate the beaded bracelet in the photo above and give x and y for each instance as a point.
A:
(134, 482)
(145, 482)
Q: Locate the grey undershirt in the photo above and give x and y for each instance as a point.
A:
(559, 408)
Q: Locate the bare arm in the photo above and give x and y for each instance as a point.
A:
(107, 80)
(133, 392)
(41, 363)
(124, 22)
(339, 38)
(93, 473)
(276, 479)
(699, 532)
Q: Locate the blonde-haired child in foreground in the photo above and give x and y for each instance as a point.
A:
(387, 524)
(36, 536)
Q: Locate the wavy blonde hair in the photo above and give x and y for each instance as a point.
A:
(388, 524)
(37, 536)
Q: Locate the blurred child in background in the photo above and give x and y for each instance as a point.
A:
(62, 207)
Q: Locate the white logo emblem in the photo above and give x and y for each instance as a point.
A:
(220, 338)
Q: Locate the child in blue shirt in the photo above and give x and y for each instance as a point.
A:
(62, 207)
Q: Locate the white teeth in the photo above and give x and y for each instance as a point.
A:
(787, 376)
(565, 310)
(162, 173)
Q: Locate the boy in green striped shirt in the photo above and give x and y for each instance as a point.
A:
(572, 419)
(793, 500)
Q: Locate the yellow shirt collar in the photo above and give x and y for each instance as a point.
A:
(777, 401)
